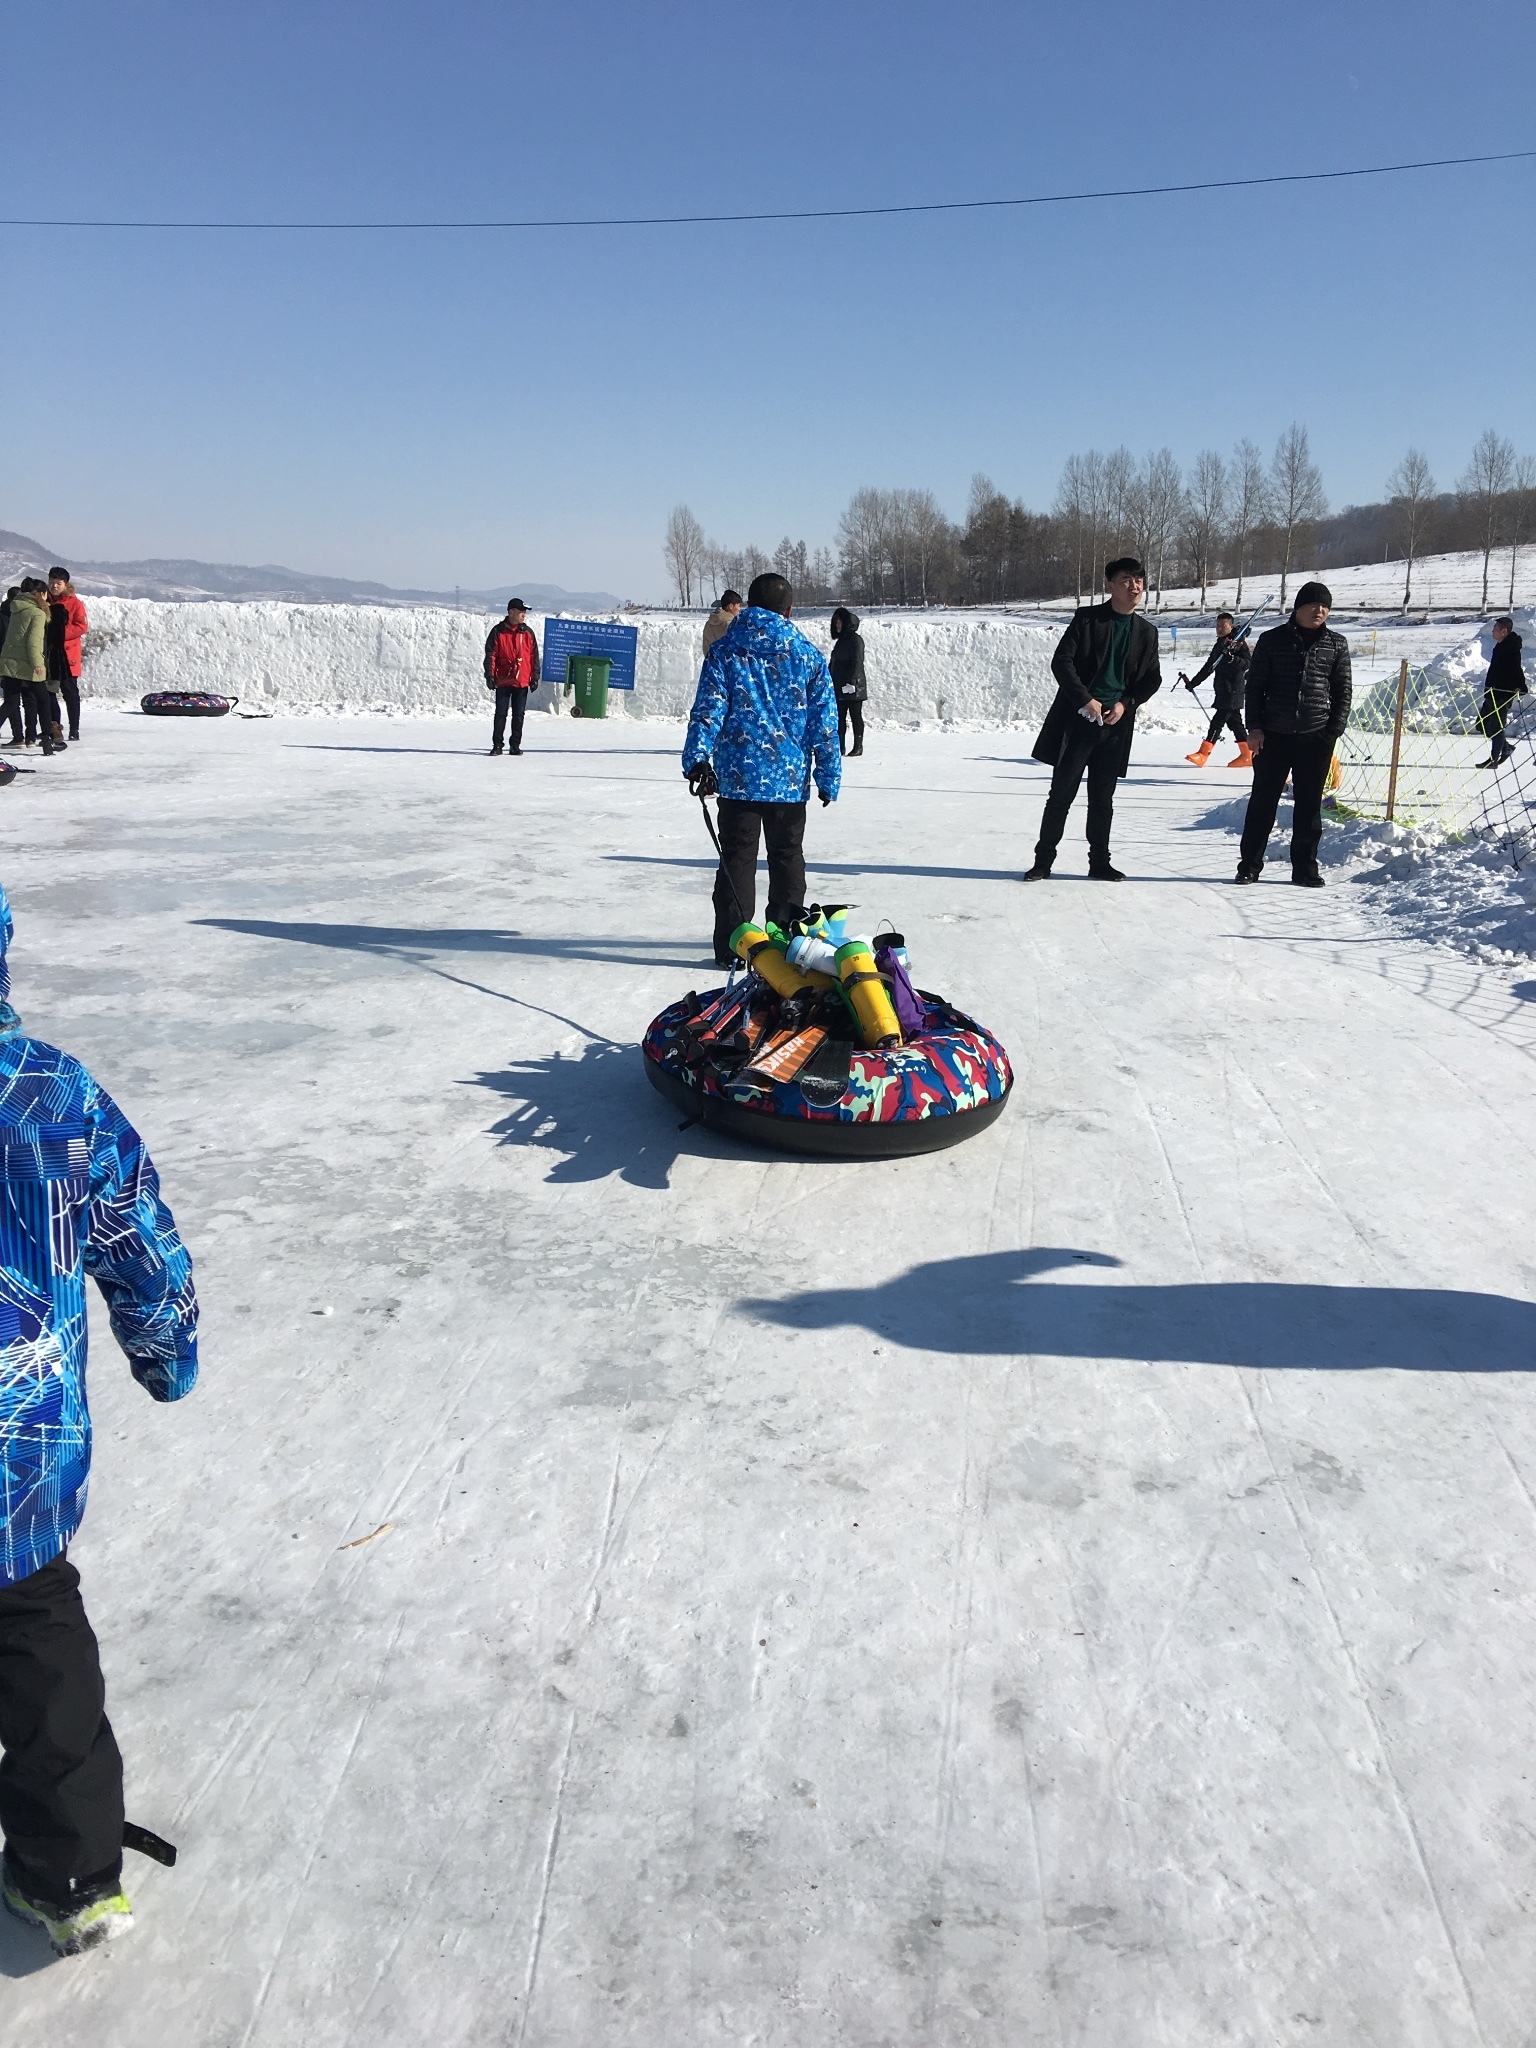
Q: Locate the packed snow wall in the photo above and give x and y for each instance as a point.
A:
(342, 659)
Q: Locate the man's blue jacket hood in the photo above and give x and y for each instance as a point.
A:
(764, 714)
(78, 1196)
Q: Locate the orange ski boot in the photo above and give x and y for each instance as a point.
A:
(1204, 754)
(1244, 756)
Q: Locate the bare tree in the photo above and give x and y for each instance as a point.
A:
(1296, 492)
(684, 552)
(862, 536)
(1075, 496)
(1205, 510)
(1410, 488)
(1250, 503)
(1483, 482)
(1119, 501)
(1522, 490)
(1161, 493)
(929, 539)
(792, 560)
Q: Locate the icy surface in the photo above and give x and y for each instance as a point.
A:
(612, 1588)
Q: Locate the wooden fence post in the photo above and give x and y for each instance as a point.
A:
(1397, 737)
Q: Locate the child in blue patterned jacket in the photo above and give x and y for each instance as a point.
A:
(78, 1196)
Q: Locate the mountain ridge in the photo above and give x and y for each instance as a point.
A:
(185, 581)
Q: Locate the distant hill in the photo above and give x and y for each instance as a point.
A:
(185, 582)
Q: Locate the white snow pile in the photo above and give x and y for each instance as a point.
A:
(402, 660)
(1473, 894)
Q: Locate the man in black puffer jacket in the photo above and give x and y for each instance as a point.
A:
(1299, 692)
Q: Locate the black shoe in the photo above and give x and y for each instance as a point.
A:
(1308, 879)
(514, 750)
(498, 748)
(1037, 873)
(725, 961)
(49, 748)
(855, 753)
(1247, 874)
(1103, 872)
(74, 739)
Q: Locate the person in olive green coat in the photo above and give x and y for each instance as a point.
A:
(23, 657)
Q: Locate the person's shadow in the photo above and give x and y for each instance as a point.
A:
(594, 1110)
(995, 1304)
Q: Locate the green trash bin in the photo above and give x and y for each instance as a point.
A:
(586, 677)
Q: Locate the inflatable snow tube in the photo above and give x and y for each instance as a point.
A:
(945, 1084)
(186, 704)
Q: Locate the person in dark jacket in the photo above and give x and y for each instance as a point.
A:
(1505, 682)
(67, 628)
(1227, 665)
(846, 662)
(79, 1199)
(1299, 691)
(1106, 667)
(511, 670)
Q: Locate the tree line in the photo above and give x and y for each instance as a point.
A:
(1228, 516)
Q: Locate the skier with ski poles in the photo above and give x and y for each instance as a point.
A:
(78, 1197)
(1227, 665)
(764, 722)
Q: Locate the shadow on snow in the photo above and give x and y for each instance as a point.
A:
(989, 1306)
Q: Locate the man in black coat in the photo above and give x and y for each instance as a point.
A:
(1105, 666)
(1505, 682)
(1299, 691)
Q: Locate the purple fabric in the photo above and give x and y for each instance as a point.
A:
(910, 1014)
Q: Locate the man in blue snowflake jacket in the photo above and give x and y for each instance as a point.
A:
(764, 720)
(78, 1196)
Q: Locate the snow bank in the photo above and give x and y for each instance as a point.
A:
(1466, 893)
(342, 659)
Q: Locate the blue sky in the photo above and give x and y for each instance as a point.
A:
(445, 407)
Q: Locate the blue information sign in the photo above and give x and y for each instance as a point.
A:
(565, 637)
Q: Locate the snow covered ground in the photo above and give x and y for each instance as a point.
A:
(612, 1588)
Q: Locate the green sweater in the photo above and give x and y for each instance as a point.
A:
(22, 657)
(1109, 686)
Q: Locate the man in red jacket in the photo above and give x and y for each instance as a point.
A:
(67, 627)
(511, 670)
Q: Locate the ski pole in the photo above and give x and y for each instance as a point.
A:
(709, 826)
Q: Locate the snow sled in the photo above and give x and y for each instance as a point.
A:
(7, 772)
(775, 1058)
(186, 704)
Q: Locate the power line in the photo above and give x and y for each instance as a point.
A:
(686, 220)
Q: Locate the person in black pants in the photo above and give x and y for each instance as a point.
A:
(1299, 691)
(763, 726)
(846, 662)
(1228, 662)
(1106, 667)
(1505, 682)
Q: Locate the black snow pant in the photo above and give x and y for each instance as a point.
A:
(34, 700)
(783, 829)
(61, 1776)
(1100, 749)
(515, 701)
(69, 689)
(1232, 718)
(849, 707)
(1306, 757)
(12, 712)
(1491, 717)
